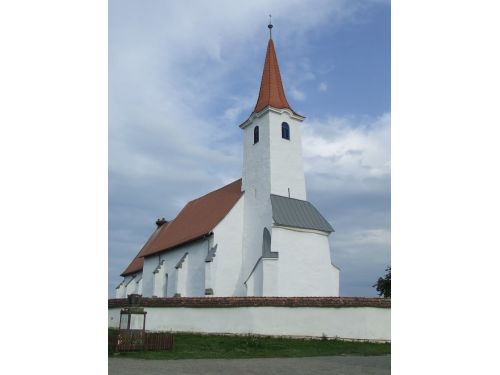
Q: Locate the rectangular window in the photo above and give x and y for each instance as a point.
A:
(255, 135)
(285, 131)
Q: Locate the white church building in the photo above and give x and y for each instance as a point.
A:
(257, 236)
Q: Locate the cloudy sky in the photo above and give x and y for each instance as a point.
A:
(183, 75)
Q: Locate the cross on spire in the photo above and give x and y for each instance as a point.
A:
(270, 26)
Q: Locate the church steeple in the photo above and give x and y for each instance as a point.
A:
(272, 154)
(271, 88)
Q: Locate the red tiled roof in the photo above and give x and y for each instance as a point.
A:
(271, 89)
(196, 220)
(134, 266)
(138, 262)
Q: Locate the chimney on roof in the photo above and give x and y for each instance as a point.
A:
(161, 221)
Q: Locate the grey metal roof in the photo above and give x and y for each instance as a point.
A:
(296, 213)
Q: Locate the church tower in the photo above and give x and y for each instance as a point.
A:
(272, 161)
(285, 239)
(272, 140)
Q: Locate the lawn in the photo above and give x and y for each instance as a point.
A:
(189, 345)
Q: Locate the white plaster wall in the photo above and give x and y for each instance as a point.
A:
(139, 287)
(287, 169)
(249, 285)
(254, 283)
(131, 288)
(136, 287)
(305, 265)
(181, 281)
(256, 163)
(257, 187)
(148, 267)
(208, 275)
(227, 276)
(270, 277)
(160, 281)
(194, 269)
(273, 165)
(120, 291)
(361, 323)
(257, 215)
(126, 280)
(226, 272)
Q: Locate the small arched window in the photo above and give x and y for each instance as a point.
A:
(285, 131)
(255, 135)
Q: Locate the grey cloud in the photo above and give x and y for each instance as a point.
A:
(353, 198)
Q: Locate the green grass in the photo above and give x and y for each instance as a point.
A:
(188, 345)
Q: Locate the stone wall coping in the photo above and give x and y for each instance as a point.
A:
(256, 302)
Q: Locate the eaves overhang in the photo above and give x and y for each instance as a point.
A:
(198, 238)
(301, 229)
(255, 115)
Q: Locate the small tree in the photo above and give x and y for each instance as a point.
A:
(383, 285)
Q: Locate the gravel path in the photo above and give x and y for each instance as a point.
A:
(338, 365)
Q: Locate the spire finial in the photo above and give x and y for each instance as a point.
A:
(270, 26)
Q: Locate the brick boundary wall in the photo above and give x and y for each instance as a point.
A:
(257, 301)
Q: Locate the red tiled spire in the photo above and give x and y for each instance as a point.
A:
(271, 89)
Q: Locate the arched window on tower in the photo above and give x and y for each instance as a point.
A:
(255, 135)
(285, 131)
